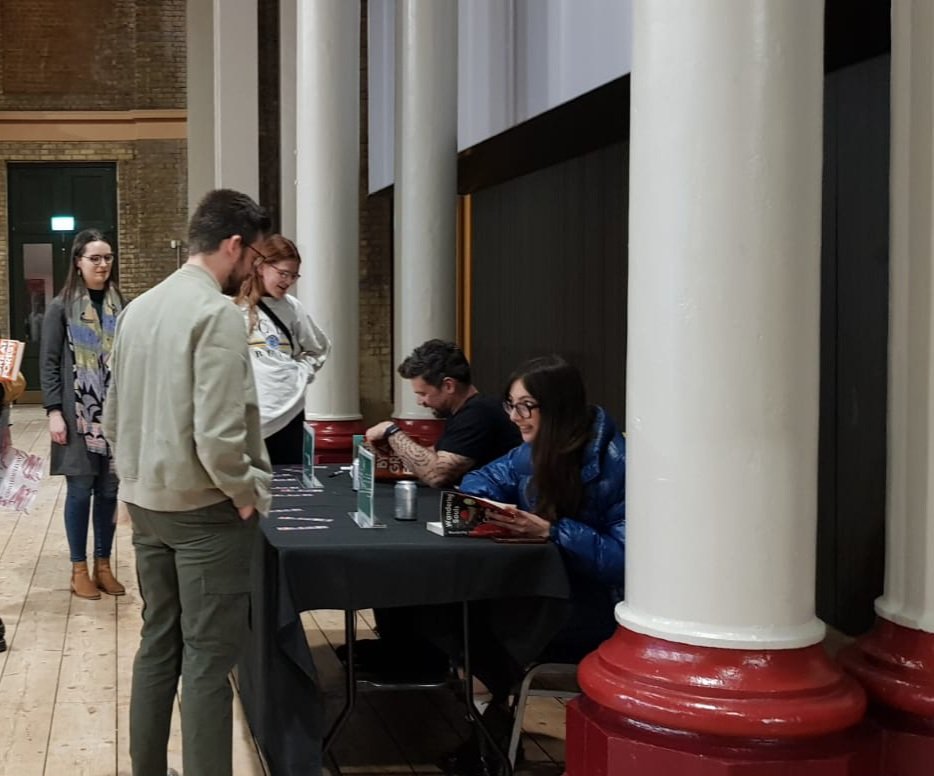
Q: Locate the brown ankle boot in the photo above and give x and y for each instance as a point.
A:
(104, 578)
(81, 583)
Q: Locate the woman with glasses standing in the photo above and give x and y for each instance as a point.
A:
(77, 336)
(286, 346)
(568, 482)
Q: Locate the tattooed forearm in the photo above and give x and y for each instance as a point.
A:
(436, 469)
(417, 457)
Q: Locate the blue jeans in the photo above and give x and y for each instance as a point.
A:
(103, 487)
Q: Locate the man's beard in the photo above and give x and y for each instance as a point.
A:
(236, 277)
(232, 285)
(441, 414)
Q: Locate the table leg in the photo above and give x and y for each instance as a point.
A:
(472, 712)
(350, 698)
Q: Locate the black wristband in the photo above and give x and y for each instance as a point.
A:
(391, 429)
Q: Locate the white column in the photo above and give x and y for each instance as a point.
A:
(223, 106)
(909, 561)
(424, 298)
(288, 20)
(724, 288)
(327, 205)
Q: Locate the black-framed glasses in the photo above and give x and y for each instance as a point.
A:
(522, 408)
(97, 258)
(260, 256)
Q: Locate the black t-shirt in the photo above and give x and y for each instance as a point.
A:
(479, 430)
(97, 299)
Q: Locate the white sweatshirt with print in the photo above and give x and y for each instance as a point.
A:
(281, 373)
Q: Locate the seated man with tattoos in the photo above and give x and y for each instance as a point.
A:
(476, 430)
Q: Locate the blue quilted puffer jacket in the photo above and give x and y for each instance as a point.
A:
(592, 542)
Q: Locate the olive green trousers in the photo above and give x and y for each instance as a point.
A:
(194, 578)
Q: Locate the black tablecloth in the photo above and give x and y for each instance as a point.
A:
(346, 567)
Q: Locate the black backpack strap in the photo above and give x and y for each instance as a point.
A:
(279, 324)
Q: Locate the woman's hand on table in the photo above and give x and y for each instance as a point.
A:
(521, 523)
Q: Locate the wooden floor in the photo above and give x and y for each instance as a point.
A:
(65, 680)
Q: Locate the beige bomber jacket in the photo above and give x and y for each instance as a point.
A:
(181, 412)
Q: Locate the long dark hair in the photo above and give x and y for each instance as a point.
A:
(74, 282)
(563, 432)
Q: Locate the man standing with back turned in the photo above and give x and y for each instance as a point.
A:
(183, 421)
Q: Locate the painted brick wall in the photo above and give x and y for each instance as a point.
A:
(153, 210)
(161, 51)
(92, 54)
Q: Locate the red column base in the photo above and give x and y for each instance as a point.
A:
(334, 439)
(601, 743)
(752, 693)
(905, 753)
(895, 665)
(661, 707)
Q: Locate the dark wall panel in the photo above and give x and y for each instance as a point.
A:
(854, 334)
(550, 271)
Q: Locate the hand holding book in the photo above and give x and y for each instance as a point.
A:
(465, 515)
(521, 524)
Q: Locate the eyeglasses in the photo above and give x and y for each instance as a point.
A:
(291, 277)
(262, 256)
(523, 408)
(95, 259)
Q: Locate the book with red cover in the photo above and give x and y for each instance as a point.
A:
(461, 514)
(11, 358)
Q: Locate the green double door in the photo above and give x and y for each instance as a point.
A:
(39, 254)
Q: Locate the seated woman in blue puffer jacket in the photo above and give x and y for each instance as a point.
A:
(568, 480)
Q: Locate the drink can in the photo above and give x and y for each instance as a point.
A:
(406, 500)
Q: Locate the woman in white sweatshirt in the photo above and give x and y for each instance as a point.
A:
(286, 346)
